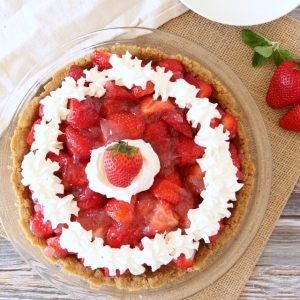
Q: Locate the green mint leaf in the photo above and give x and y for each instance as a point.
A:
(281, 55)
(253, 39)
(258, 60)
(265, 51)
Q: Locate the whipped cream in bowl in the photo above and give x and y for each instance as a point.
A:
(98, 181)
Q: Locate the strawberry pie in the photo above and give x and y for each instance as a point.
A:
(131, 167)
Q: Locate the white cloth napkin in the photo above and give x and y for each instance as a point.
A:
(30, 28)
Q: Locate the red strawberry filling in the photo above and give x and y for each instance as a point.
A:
(131, 114)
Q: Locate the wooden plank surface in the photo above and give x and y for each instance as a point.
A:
(276, 276)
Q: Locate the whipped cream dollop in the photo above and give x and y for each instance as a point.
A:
(98, 181)
(220, 180)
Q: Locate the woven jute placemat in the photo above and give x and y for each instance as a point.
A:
(225, 42)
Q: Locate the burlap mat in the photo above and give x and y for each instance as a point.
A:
(225, 42)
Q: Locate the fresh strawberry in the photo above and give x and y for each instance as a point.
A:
(182, 208)
(213, 238)
(230, 123)
(236, 161)
(144, 207)
(62, 137)
(120, 211)
(122, 163)
(149, 106)
(187, 150)
(183, 263)
(88, 199)
(118, 235)
(73, 174)
(76, 72)
(157, 134)
(163, 219)
(96, 220)
(59, 228)
(178, 121)
(204, 87)
(111, 106)
(81, 142)
(284, 87)
(173, 65)
(174, 178)
(123, 125)
(167, 191)
(101, 59)
(54, 248)
(138, 92)
(291, 120)
(94, 102)
(194, 180)
(83, 116)
(30, 137)
(38, 227)
(117, 92)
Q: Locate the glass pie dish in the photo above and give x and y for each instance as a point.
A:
(259, 149)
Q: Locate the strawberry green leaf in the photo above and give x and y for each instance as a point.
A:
(265, 51)
(281, 55)
(253, 39)
(258, 60)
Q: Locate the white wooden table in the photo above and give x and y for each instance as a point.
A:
(276, 275)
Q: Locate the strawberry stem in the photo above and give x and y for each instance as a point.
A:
(124, 148)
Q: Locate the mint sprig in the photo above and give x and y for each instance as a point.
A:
(264, 49)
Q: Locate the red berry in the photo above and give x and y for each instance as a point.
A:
(88, 199)
(149, 106)
(163, 218)
(236, 161)
(284, 87)
(205, 88)
(120, 211)
(76, 72)
(73, 174)
(194, 180)
(117, 92)
(38, 227)
(54, 248)
(96, 220)
(187, 150)
(178, 121)
(174, 178)
(122, 163)
(30, 137)
(182, 208)
(138, 92)
(291, 120)
(101, 59)
(111, 106)
(59, 228)
(230, 123)
(183, 263)
(173, 65)
(144, 208)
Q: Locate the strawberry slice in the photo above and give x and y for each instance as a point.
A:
(101, 59)
(167, 191)
(173, 65)
(194, 180)
(163, 219)
(80, 142)
(117, 92)
(230, 123)
(291, 120)
(83, 114)
(54, 249)
(73, 175)
(182, 208)
(30, 137)
(178, 121)
(138, 92)
(205, 88)
(174, 178)
(187, 150)
(112, 106)
(38, 227)
(149, 106)
(88, 199)
(76, 72)
(214, 238)
(120, 211)
(184, 263)
(144, 208)
(96, 220)
(236, 161)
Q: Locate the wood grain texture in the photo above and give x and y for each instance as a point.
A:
(276, 276)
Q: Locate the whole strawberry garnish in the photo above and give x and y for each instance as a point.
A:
(122, 163)
(291, 120)
(284, 88)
